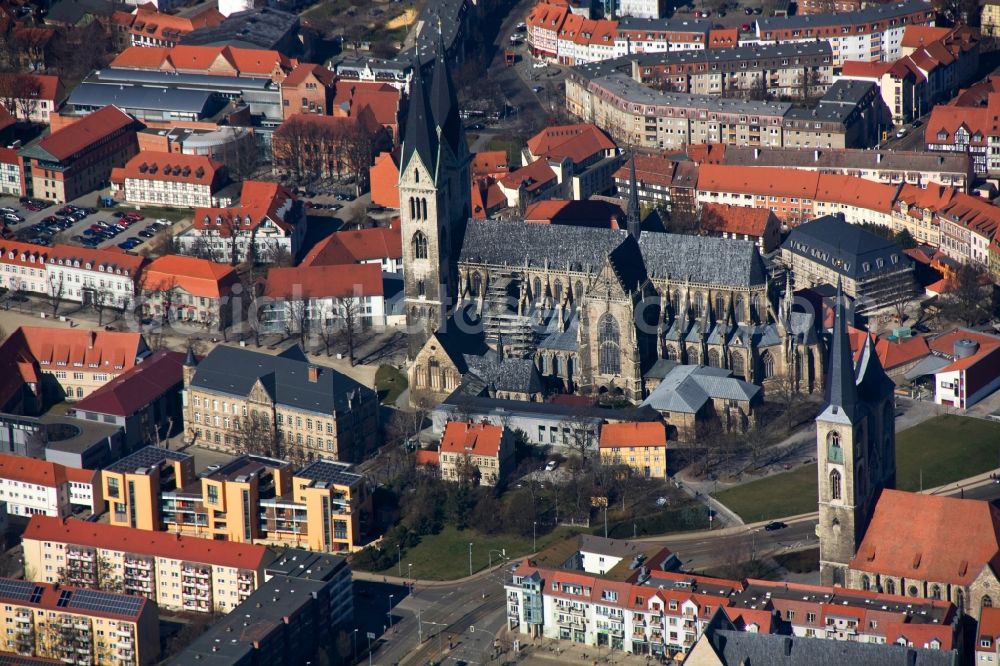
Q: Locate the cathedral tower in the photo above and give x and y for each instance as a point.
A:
(434, 198)
(856, 448)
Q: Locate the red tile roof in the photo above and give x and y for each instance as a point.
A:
(111, 351)
(723, 38)
(381, 99)
(30, 470)
(145, 542)
(761, 181)
(198, 277)
(489, 162)
(865, 69)
(27, 254)
(739, 220)
(744, 617)
(858, 192)
(304, 70)
(221, 60)
(48, 85)
(131, 391)
(429, 457)
(577, 142)
(481, 439)
(944, 345)
(625, 435)
(258, 200)
(950, 543)
(593, 213)
(84, 133)
(989, 623)
(894, 353)
(79, 475)
(534, 176)
(150, 23)
(339, 281)
(920, 635)
(915, 36)
(173, 168)
(355, 247)
(649, 170)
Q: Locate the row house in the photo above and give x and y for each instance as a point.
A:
(74, 625)
(69, 273)
(874, 33)
(11, 173)
(38, 487)
(968, 225)
(968, 129)
(582, 40)
(176, 572)
(642, 35)
(172, 180)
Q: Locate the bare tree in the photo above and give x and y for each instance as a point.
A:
(239, 153)
(297, 319)
(57, 290)
(103, 298)
(972, 299)
(19, 94)
(578, 435)
(348, 311)
(250, 278)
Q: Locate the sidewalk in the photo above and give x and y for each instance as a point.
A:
(550, 651)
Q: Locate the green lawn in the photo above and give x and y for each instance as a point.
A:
(445, 556)
(946, 448)
(389, 382)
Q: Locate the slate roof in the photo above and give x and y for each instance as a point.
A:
(868, 15)
(561, 340)
(234, 371)
(686, 388)
(263, 28)
(699, 258)
(419, 137)
(845, 248)
(127, 96)
(517, 375)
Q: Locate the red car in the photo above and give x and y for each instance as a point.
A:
(135, 217)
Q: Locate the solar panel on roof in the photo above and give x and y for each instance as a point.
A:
(330, 472)
(63, 598)
(149, 456)
(93, 600)
(20, 590)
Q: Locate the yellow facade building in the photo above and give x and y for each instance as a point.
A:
(641, 446)
(78, 626)
(989, 19)
(177, 572)
(249, 499)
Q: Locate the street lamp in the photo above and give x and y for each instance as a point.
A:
(354, 642)
(399, 561)
(534, 537)
(390, 610)
(409, 573)
(470, 558)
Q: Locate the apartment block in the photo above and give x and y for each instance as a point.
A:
(37, 487)
(134, 486)
(481, 450)
(177, 572)
(77, 626)
(172, 179)
(316, 410)
(305, 599)
(78, 158)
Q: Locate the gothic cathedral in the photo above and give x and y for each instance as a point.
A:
(856, 449)
(434, 195)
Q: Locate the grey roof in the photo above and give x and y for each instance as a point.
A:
(846, 249)
(842, 391)
(902, 160)
(480, 405)
(564, 340)
(305, 564)
(664, 24)
(157, 78)
(71, 12)
(127, 97)
(702, 259)
(867, 15)
(439, 21)
(234, 371)
(517, 375)
(928, 365)
(420, 137)
(745, 648)
(149, 456)
(263, 28)
(686, 388)
(444, 102)
(848, 91)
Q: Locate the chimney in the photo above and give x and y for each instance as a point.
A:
(313, 374)
(90, 340)
(816, 155)
(756, 153)
(878, 158)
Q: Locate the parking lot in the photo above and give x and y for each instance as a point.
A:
(76, 224)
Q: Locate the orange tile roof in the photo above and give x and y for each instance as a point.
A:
(80, 475)
(201, 59)
(707, 153)
(487, 197)
(354, 247)
(920, 635)
(950, 543)
(84, 133)
(18, 367)
(337, 281)
(762, 181)
(427, 457)
(489, 162)
(383, 100)
(151, 23)
(145, 542)
(304, 70)
(48, 85)
(893, 354)
(534, 176)
(481, 439)
(30, 470)
(723, 38)
(27, 254)
(915, 36)
(944, 345)
(649, 170)
(865, 69)
(739, 220)
(989, 623)
(594, 213)
(577, 142)
(258, 200)
(744, 617)
(859, 192)
(625, 435)
(111, 351)
(547, 16)
(173, 168)
(198, 277)
(141, 57)
(975, 119)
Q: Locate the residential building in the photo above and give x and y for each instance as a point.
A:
(78, 159)
(11, 173)
(324, 299)
(379, 245)
(308, 88)
(989, 18)
(177, 572)
(641, 446)
(757, 225)
(172, 180)
(70, 364)
(874, 271)
(145, 400)
(897, 557)
(650, 9)
(640, 35)
(661, 182)
(153, 27)
(582, 157)
(189, 290)
(133, 486)
(477, 452)
(964, 366)
(38, 95)
(872, 33)
(728, 643)
(317, 410)
(68, 273)
(305, 600)
(890, 167)
(688, 397)
(269, 224)
(988, 631)
(77, 625)
(31, 487)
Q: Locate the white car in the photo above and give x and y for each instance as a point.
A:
(901, 133)
(552, 465)
(539, 64)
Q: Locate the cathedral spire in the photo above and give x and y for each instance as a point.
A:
(843, 391)
(444, 101)
(633, 212)
(420, 138)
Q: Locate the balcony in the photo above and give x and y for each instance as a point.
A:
(198, 573)
(25, 630)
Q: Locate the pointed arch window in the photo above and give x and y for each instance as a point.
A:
(419, 245)
(890, 586)
(699, 304)
(557, 289)
(578, 291)
(720, 306)
(536, 289)
(866, 583)
(713, 358)
(740, 309)
(609, 345)
(477, 284)
(834, 452)
(835, 481)
(423, 209)
(755, 308)
(736, 365)
(413, 209)
(767, 365)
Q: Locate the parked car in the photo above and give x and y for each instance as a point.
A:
(774, 525)
(901, 132)
(551, 465)
(539, 64)
(5, 209)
